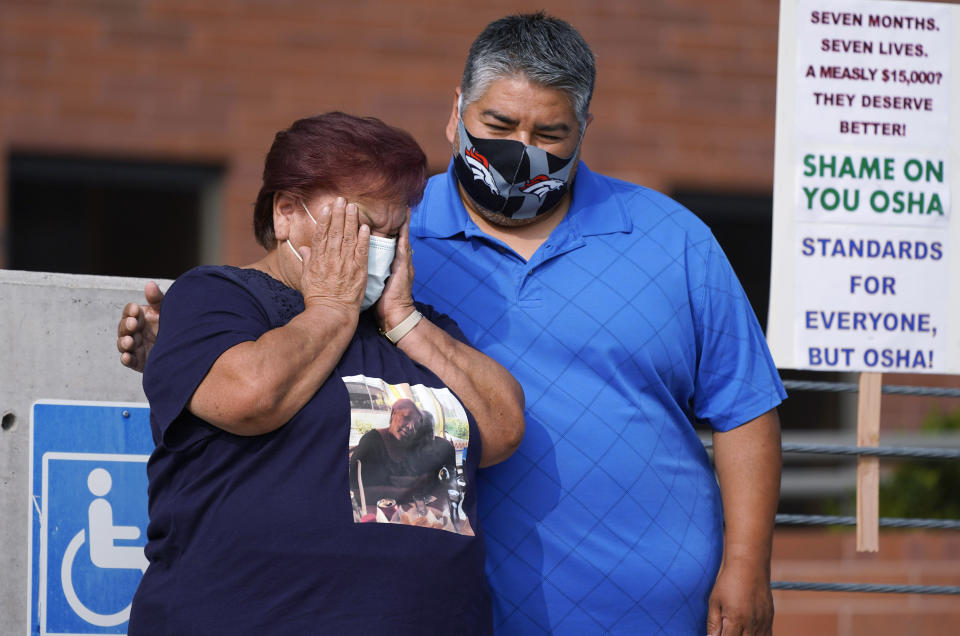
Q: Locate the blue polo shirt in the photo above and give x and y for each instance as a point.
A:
(626, 328)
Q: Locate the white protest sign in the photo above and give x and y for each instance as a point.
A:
(864, 276)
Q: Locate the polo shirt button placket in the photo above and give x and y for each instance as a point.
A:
(529, 292)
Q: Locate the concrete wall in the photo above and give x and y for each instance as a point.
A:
(57, 341)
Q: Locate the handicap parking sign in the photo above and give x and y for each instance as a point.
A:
(88, 486)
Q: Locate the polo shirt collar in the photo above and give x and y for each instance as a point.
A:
(594, 209)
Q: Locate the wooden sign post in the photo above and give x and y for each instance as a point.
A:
(868, 468)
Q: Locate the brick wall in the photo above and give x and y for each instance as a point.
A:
(906, 412)
(685, 93)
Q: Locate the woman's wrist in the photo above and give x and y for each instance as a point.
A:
(403, 327)
(394, 315)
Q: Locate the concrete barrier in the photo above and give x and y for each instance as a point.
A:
(57, 341)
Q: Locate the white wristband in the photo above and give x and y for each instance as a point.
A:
(404, 327)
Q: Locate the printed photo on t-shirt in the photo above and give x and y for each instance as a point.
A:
(407, 448)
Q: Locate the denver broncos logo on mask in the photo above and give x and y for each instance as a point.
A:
(540, 185)
(480, 167)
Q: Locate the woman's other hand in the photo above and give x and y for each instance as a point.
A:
(396, 301)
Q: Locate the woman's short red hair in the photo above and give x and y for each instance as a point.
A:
(337, 153)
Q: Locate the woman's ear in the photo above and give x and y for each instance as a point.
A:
(285, 207)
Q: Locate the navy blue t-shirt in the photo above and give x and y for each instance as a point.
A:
(266, 534)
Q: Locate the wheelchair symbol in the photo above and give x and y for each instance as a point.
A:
(103, 552)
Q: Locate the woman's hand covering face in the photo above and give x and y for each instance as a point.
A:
(335, 264)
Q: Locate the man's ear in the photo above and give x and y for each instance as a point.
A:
(285, 207)
(454, 117)
(586, 124)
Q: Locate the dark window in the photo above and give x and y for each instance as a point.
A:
(364, 396)
(359, 398)
(83, 215)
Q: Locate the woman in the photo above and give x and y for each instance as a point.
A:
(252, 529)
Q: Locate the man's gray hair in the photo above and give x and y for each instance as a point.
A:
(546, 50)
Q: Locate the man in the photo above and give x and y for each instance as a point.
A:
(620, 316)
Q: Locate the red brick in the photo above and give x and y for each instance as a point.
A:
(805, 624)
(923, 625)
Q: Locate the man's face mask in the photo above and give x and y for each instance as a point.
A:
(509, 177)
(379, 259)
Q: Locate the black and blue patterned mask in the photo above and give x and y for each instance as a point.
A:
(509, 177)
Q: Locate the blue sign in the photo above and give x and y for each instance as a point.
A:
(88, 485)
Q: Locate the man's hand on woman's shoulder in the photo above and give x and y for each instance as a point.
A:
(137, 330)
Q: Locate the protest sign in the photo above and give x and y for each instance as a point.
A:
(864, 276)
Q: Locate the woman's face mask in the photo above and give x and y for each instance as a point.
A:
(509, 177)
(379, 259)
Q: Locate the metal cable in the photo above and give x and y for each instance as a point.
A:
(878, 451)
(865, 587)
(887, 522)
(852, 387)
